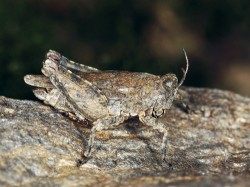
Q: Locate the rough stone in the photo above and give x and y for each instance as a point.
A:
(208, 145)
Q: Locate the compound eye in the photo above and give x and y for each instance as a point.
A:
(169, 81)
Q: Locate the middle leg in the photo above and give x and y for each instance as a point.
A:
(100, 125)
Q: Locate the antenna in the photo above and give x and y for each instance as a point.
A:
(184, 71)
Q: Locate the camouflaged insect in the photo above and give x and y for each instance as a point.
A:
(106, 98)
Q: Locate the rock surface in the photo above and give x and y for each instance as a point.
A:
(208, 145)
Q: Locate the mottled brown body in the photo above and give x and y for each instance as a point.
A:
(106, 98)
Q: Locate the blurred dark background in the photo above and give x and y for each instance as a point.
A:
(134, 35)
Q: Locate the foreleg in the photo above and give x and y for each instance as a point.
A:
(156, 124)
